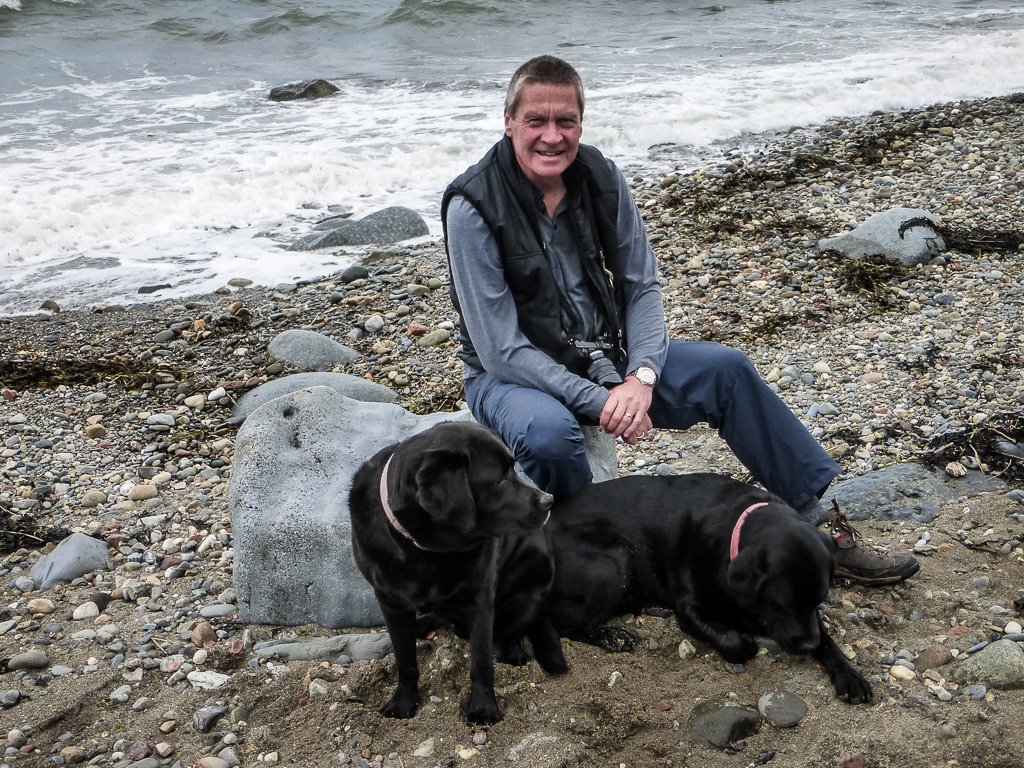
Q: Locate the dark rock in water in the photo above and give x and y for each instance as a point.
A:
(153, 288)
(389, 225)
(50, 306)
(308, 89)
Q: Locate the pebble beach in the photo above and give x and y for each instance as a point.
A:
(114, 421)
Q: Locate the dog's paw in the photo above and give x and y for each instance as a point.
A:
(513, 654)
(483, 711)
(736, 648)
(402, 705)
(851, 686)
(553, 661)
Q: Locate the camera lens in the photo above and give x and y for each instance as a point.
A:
(602, 371)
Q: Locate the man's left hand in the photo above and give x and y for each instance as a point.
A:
(625, 413)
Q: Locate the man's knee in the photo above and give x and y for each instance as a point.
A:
(553, 438)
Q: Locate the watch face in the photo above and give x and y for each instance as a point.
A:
(646, 376)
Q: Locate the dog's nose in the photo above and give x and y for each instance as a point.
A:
(546, 500)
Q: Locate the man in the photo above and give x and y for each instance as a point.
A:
(562, 320)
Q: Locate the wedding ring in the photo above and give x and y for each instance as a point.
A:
(628, 415)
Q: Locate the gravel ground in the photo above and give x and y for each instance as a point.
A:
(113, 422)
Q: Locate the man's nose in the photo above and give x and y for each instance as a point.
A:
(551, 133)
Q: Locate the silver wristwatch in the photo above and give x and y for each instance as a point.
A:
(645, 375)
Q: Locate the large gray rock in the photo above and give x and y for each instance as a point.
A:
(343, 383)
(295, 457)
(390, 225)
(75, 556)
(905, 492)
(999, 665)
(904, 235)
(310, 351)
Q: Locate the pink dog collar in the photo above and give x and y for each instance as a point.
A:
(734, 544)
(387, 507)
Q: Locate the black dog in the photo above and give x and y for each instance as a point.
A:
(442, 527)
(628, 544)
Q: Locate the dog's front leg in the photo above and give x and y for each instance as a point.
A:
(733, 646)
(483, 706)
(848, 682)
(401, 624)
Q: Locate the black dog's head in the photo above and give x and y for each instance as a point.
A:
(779, 580)
(455, 484)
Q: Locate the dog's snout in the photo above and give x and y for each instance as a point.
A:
(545, 501)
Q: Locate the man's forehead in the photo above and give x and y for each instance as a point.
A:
(544, 98)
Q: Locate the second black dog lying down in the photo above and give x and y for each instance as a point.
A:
(443, 528)
(637, 542)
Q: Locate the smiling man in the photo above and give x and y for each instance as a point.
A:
(562, 320)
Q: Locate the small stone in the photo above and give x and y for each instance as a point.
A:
(900, 672)
(930, 658)
(95, 431)
(87, 610)
(782, 708)
(203, 634)
(40, 605)
(93, 498)
(34, 659)
(142, 492)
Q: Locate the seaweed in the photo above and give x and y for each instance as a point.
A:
(871, 277)
(22, 532)
(42, 372)
(986, 443)
(976, 240)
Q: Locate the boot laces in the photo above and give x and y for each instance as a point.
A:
(840, 527)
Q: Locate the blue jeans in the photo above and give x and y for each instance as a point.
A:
(701, 382)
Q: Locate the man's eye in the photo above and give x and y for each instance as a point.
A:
(535, 122)
(568, 124)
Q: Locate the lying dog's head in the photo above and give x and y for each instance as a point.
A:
(779, 581)
(455, 484)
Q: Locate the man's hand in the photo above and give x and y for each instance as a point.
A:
(625, 413)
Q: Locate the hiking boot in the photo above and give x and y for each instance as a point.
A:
(861, 562)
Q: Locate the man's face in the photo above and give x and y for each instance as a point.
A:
(546, 131)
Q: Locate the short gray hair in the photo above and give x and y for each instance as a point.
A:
(543, 69)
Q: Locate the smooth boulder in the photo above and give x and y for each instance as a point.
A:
(390, 225)
(295, 458)
(75, 556)
(905, 492)
(309, 350)
(908, 236)
(343, 383)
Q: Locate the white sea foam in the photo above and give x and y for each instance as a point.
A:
(152, 180)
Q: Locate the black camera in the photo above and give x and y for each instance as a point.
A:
(600, 369)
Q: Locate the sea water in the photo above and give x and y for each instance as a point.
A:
(138, 146)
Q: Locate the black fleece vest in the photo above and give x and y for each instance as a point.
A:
(509, 204)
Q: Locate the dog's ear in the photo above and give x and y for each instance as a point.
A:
(746, 573)
(442, 488)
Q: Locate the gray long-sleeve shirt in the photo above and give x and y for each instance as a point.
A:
(489, 313)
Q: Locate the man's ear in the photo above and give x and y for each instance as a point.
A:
(508, 120)
(442, 488)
